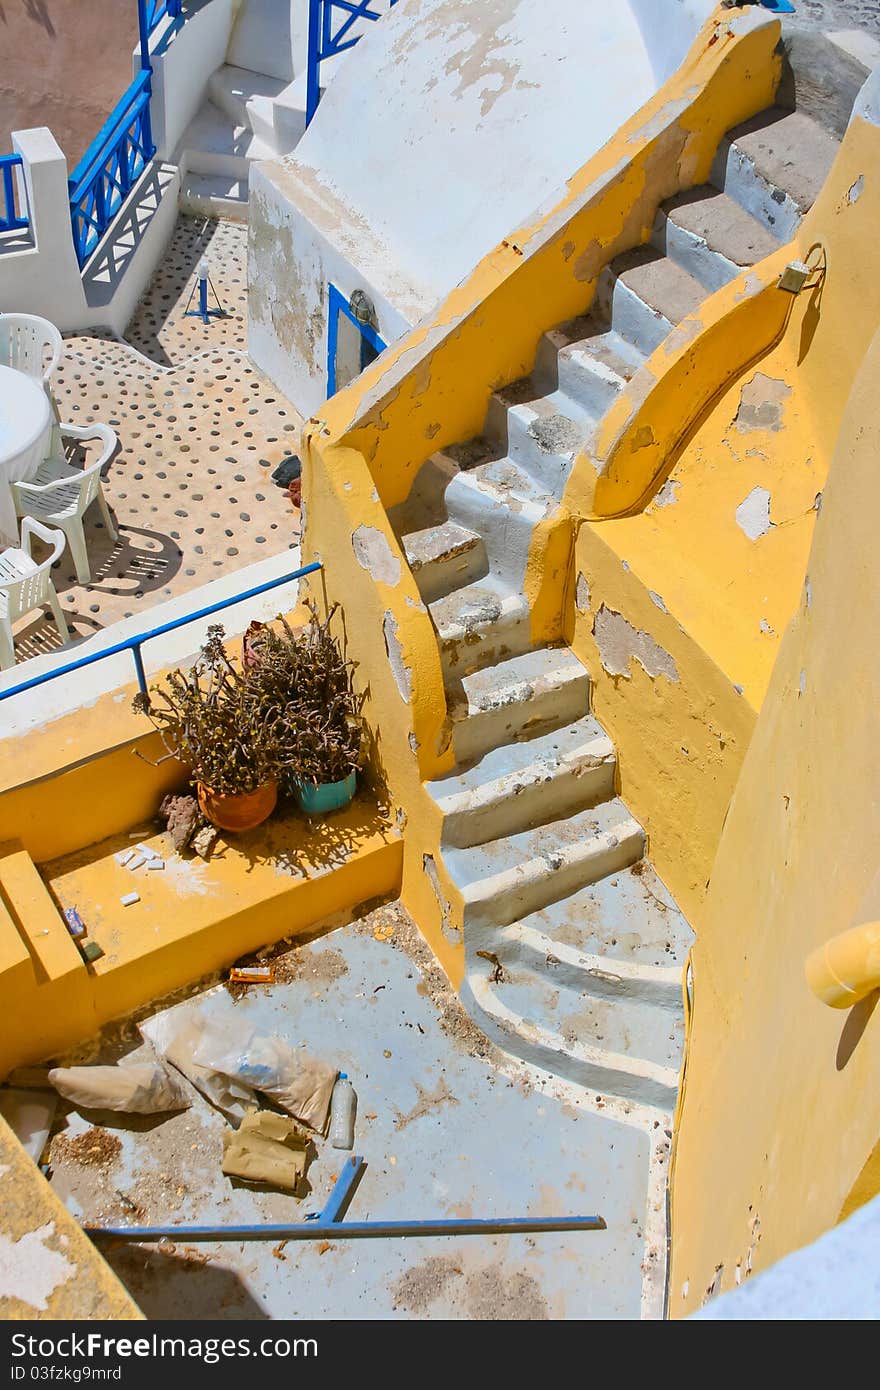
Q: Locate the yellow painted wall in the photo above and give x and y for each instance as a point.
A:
(683, 572)
(781, 1107)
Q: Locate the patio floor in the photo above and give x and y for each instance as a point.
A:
(448, 1125)
(200, 431)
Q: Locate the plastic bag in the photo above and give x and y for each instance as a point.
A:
(175, 1035)
(137, 1088)
(298, 1083)
(267, 1148)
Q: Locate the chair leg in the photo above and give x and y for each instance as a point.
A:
(7, 645)
(77, 541)
(108, 519)
(58, 614)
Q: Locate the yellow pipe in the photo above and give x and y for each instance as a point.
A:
(847, 968)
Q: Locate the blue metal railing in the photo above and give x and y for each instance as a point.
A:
(326, 42)
(13, 215)
(156, 10)
(110, 167)
(134, 644)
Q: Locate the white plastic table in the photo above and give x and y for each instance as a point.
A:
(25, 428)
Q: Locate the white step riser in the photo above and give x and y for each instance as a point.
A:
(510, 426)
(693, 254)
(629, 316)
(439, 577)
(506, 532)
(584, 379)
(542, 712)
(605, 1075)
(735, 174)
(588, 975)
(208, 162)
(199, 206)
(509, 812)
(235, 107)
(507, 898)
(486, 644)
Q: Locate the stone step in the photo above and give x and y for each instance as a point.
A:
(520, 947)
(506, 879)
(28, 907)
(500, 501)
(774, 166)
(588, 362)
(214, 144)
(710, 236)
(540, 434)
(425, 504)
(480, 625)
(628, 920)
(643, 294)
(246, 97)
(517, 1020)
(533, 693)
(215, 195)
(524, 783)
(443, 558)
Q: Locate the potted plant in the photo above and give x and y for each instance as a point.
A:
(306, 688)
(211, 720)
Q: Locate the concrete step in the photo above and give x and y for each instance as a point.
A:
(443, 558)
(587, 361)
(595, 1043)
(524, 783)
(710, 236)
(425, 505)
(533, 693)
(215, 195)
(628, 920)
(644, 294)
(541, 435)
(506, 879)
(214, 144)
(273, 109)
(500, 501)
(27, 904)
(480, 625)
(774, 166)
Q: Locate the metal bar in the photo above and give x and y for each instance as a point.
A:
(313, 61)
(139, 669)
(121, 113)
(343, 1189)
(145, 28)
(350, 1230)
(131, 642)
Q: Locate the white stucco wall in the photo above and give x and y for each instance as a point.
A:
(447, 126)
(270, 36)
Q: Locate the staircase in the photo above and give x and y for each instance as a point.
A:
(573, 947)
(254, 108)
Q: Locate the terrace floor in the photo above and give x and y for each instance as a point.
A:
(200, 432)
(448, 1126)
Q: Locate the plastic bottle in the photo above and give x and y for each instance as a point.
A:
(343, 1104)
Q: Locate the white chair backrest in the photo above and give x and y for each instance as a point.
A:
(32, 590)
(30, 344)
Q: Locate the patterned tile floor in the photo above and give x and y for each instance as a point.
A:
(200, 431)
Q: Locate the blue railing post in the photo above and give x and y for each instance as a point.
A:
(144, 33)
(313, 62)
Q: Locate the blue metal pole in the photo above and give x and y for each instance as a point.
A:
(313, 61)
(144, 33)
(139, 668)
(203, 298)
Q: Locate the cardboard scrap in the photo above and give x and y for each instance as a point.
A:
(266, 1148)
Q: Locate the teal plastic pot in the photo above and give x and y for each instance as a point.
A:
(329, 796)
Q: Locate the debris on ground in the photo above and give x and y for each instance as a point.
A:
(300, 1084)
(252, 975)
(267, 1148)
(203, 841)
(182, 818)
(498, 976)
(134, 1088)
(96, 1148)
(174, 1034)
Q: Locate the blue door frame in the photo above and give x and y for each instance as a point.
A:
(337, 304)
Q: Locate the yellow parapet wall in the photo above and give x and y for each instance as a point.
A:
(432, 389)
(50, 1269)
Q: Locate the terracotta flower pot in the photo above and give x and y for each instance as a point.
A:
(243, 811)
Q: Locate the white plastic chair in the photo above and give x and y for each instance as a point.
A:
(30, 344)
(25, 585)
(62, 495)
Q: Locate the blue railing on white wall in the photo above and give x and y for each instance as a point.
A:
(331, 31)
(13, 212)
(110, 167)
